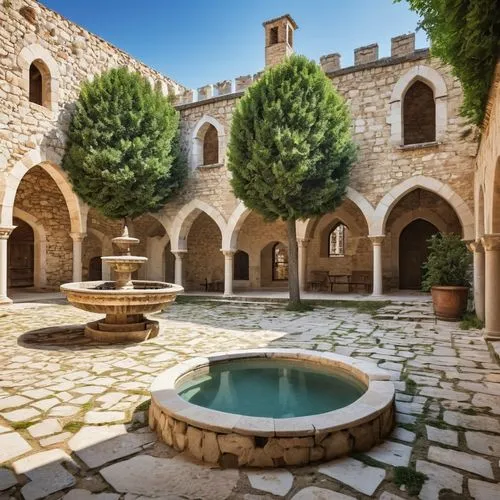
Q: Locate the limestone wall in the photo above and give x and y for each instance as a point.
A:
(72, 55)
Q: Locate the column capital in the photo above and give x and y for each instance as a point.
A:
(78, 236)
(5, 231)
(491, 241)
(475, 245)
(179, 254)
(303, 242)
(377, 240)
(228, 252)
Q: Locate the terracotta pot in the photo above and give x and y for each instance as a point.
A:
(450, 302)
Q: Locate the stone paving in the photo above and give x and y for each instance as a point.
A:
(73, 413)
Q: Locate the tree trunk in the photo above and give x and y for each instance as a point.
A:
(293, 265)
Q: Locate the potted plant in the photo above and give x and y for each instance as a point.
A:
(446, 275)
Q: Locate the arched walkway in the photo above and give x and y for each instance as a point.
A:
(387, 203)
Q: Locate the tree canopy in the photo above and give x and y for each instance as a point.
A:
(466, 35)
(123, 156)
(290, 149)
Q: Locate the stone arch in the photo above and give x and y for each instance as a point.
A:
(185, 218)
(386, 204)
(40, 246)
(47, 65)
(233, 226)
(12, 180)
(407, 218)
(306, 228)
(436, 82)
(480, 214)
(197, 140)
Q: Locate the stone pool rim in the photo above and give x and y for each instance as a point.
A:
(378, 398)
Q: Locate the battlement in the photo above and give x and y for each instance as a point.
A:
(401, 46)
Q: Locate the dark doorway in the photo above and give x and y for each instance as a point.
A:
(241, 265)
(95, 269)
(413, 251)
(169, 264)
(21, 255)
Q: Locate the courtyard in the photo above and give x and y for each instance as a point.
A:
(74, 423)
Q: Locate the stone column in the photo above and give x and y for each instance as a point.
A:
(4, 264)
(302, 258)
(179, 255)
(377, 265)
(478, 252)
(77, 255)
(228, 272)
(491, 244)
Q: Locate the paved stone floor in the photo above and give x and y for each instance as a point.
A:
(73, 420)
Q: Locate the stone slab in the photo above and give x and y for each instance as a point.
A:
(391, 453)
(32, 463)
(486, 444)
(443, 436)
(7, 479)
(45, 428)
(315, 493)
(46, 480)
(461, 460)
(79, 494)
(151, 476)
(355, 474)
(104, 417)
(98, 445)
(277, 481)
(474, 422)
(403, 435)
(13, 402)
(481, 490)
(438, 478)
(12, 445)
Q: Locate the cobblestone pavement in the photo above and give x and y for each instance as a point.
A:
(73, 420)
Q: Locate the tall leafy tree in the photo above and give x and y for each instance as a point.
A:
(291, 150)
(123, 156)
(466, 35)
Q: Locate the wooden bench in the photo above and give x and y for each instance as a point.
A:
(360, 279)
(318, 279)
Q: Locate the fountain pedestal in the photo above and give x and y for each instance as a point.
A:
(124, 301)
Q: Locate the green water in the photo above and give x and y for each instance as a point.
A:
(271, 388)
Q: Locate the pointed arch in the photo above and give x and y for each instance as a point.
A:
(205, 123)
(36, 157)
(236, 220)
(387, 203)
(436, 82)
(185, 218)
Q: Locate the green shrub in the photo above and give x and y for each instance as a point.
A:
(448, 264)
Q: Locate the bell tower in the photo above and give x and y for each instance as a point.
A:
(279, 39)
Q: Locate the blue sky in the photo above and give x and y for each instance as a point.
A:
(198, 42)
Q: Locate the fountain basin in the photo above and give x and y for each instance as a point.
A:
(266, 436)
(124, 308)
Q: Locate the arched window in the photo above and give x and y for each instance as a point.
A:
(211, 146)
(280, 262)
(419, 114)
(337, 240)
(241, 265)
(36, 85)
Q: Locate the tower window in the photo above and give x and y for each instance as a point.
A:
(337, 241)
(211, 146)
(290, 36)
(273, 35)
(36, 85)
(419, 114)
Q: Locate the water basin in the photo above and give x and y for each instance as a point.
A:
(271, 388)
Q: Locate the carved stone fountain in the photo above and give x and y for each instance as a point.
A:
(124, 301)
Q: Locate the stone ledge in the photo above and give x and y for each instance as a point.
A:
(238, 440)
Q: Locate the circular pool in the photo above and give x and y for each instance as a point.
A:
(272, 407)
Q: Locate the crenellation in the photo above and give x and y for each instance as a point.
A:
(205, 92)
(403, 45)
(330, 62)
(366, 54)
(243, 82)
(224, 87)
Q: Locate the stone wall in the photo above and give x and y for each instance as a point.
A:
(39, 196)
(204, 260)
(255, 238)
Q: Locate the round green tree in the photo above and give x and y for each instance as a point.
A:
(123, 156)
(291, 150)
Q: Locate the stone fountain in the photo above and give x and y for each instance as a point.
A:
(124, 301)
